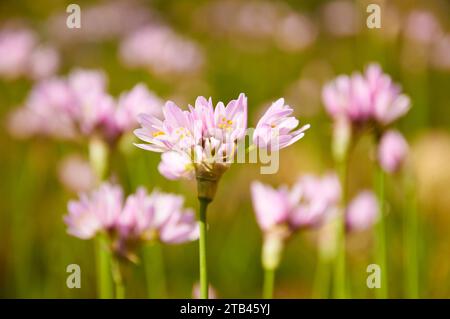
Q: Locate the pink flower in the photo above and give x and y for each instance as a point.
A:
(272, 206)
(388, 102)
(94, 212)
(206, 137)
(22, 123)
(53, 96)
(160, 50)
(70, 107)
(135, 218)
(46, 111)
(157, 216)
(76, 174)
(96, 115)
(295, 32)
(143, 217)
(280, 212)
(422, 27)
(318, 196)
(79, 105)
(361, 98)
(175, 132)
(176, 165)
(15, 49)
(85, 82)
(362, 212)
(23, 56)
(44, 62)
(221, 122)
(95, 108)
(392, 151)
(134, 102)
(276, 128)
(179, 228)
(305, 205)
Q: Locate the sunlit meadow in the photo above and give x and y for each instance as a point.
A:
(120, 139)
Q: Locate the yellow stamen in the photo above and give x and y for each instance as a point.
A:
(158, 133)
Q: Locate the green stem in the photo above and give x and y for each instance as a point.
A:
(411, 234)
(154, 271)
(382, 292)
(339, 282)
(322, 278)
(23, 185)
(104, 284)
(269, 280)
(117, 277)
(98, 158)
(202, 248)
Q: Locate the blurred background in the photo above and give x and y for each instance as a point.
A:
(266, 49)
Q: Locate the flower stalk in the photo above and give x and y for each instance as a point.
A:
(271, 257)
(326, 254)
(322, 278)
(269, 280)
(202, 247)
(117, 278)
(411, 233)
(104, 284)
(154, 271)
(380, 252)
(207, 181)
(206, 138)
(342, 139)
(339, 280)
(98, 157)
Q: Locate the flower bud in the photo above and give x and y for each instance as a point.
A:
(271, 250)
(207, 180)
(98, 156)
(362, 212)
(392, 151)
(342, 133)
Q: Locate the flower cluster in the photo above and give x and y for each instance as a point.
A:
(368, 100)
(281, 212)
(268, 22)
(363, 98)
(311, 202)
(142, 217)
(80, 105)
(160, 50)
(22, 55)
(277, 129)
(203, 140)
(304, 205)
